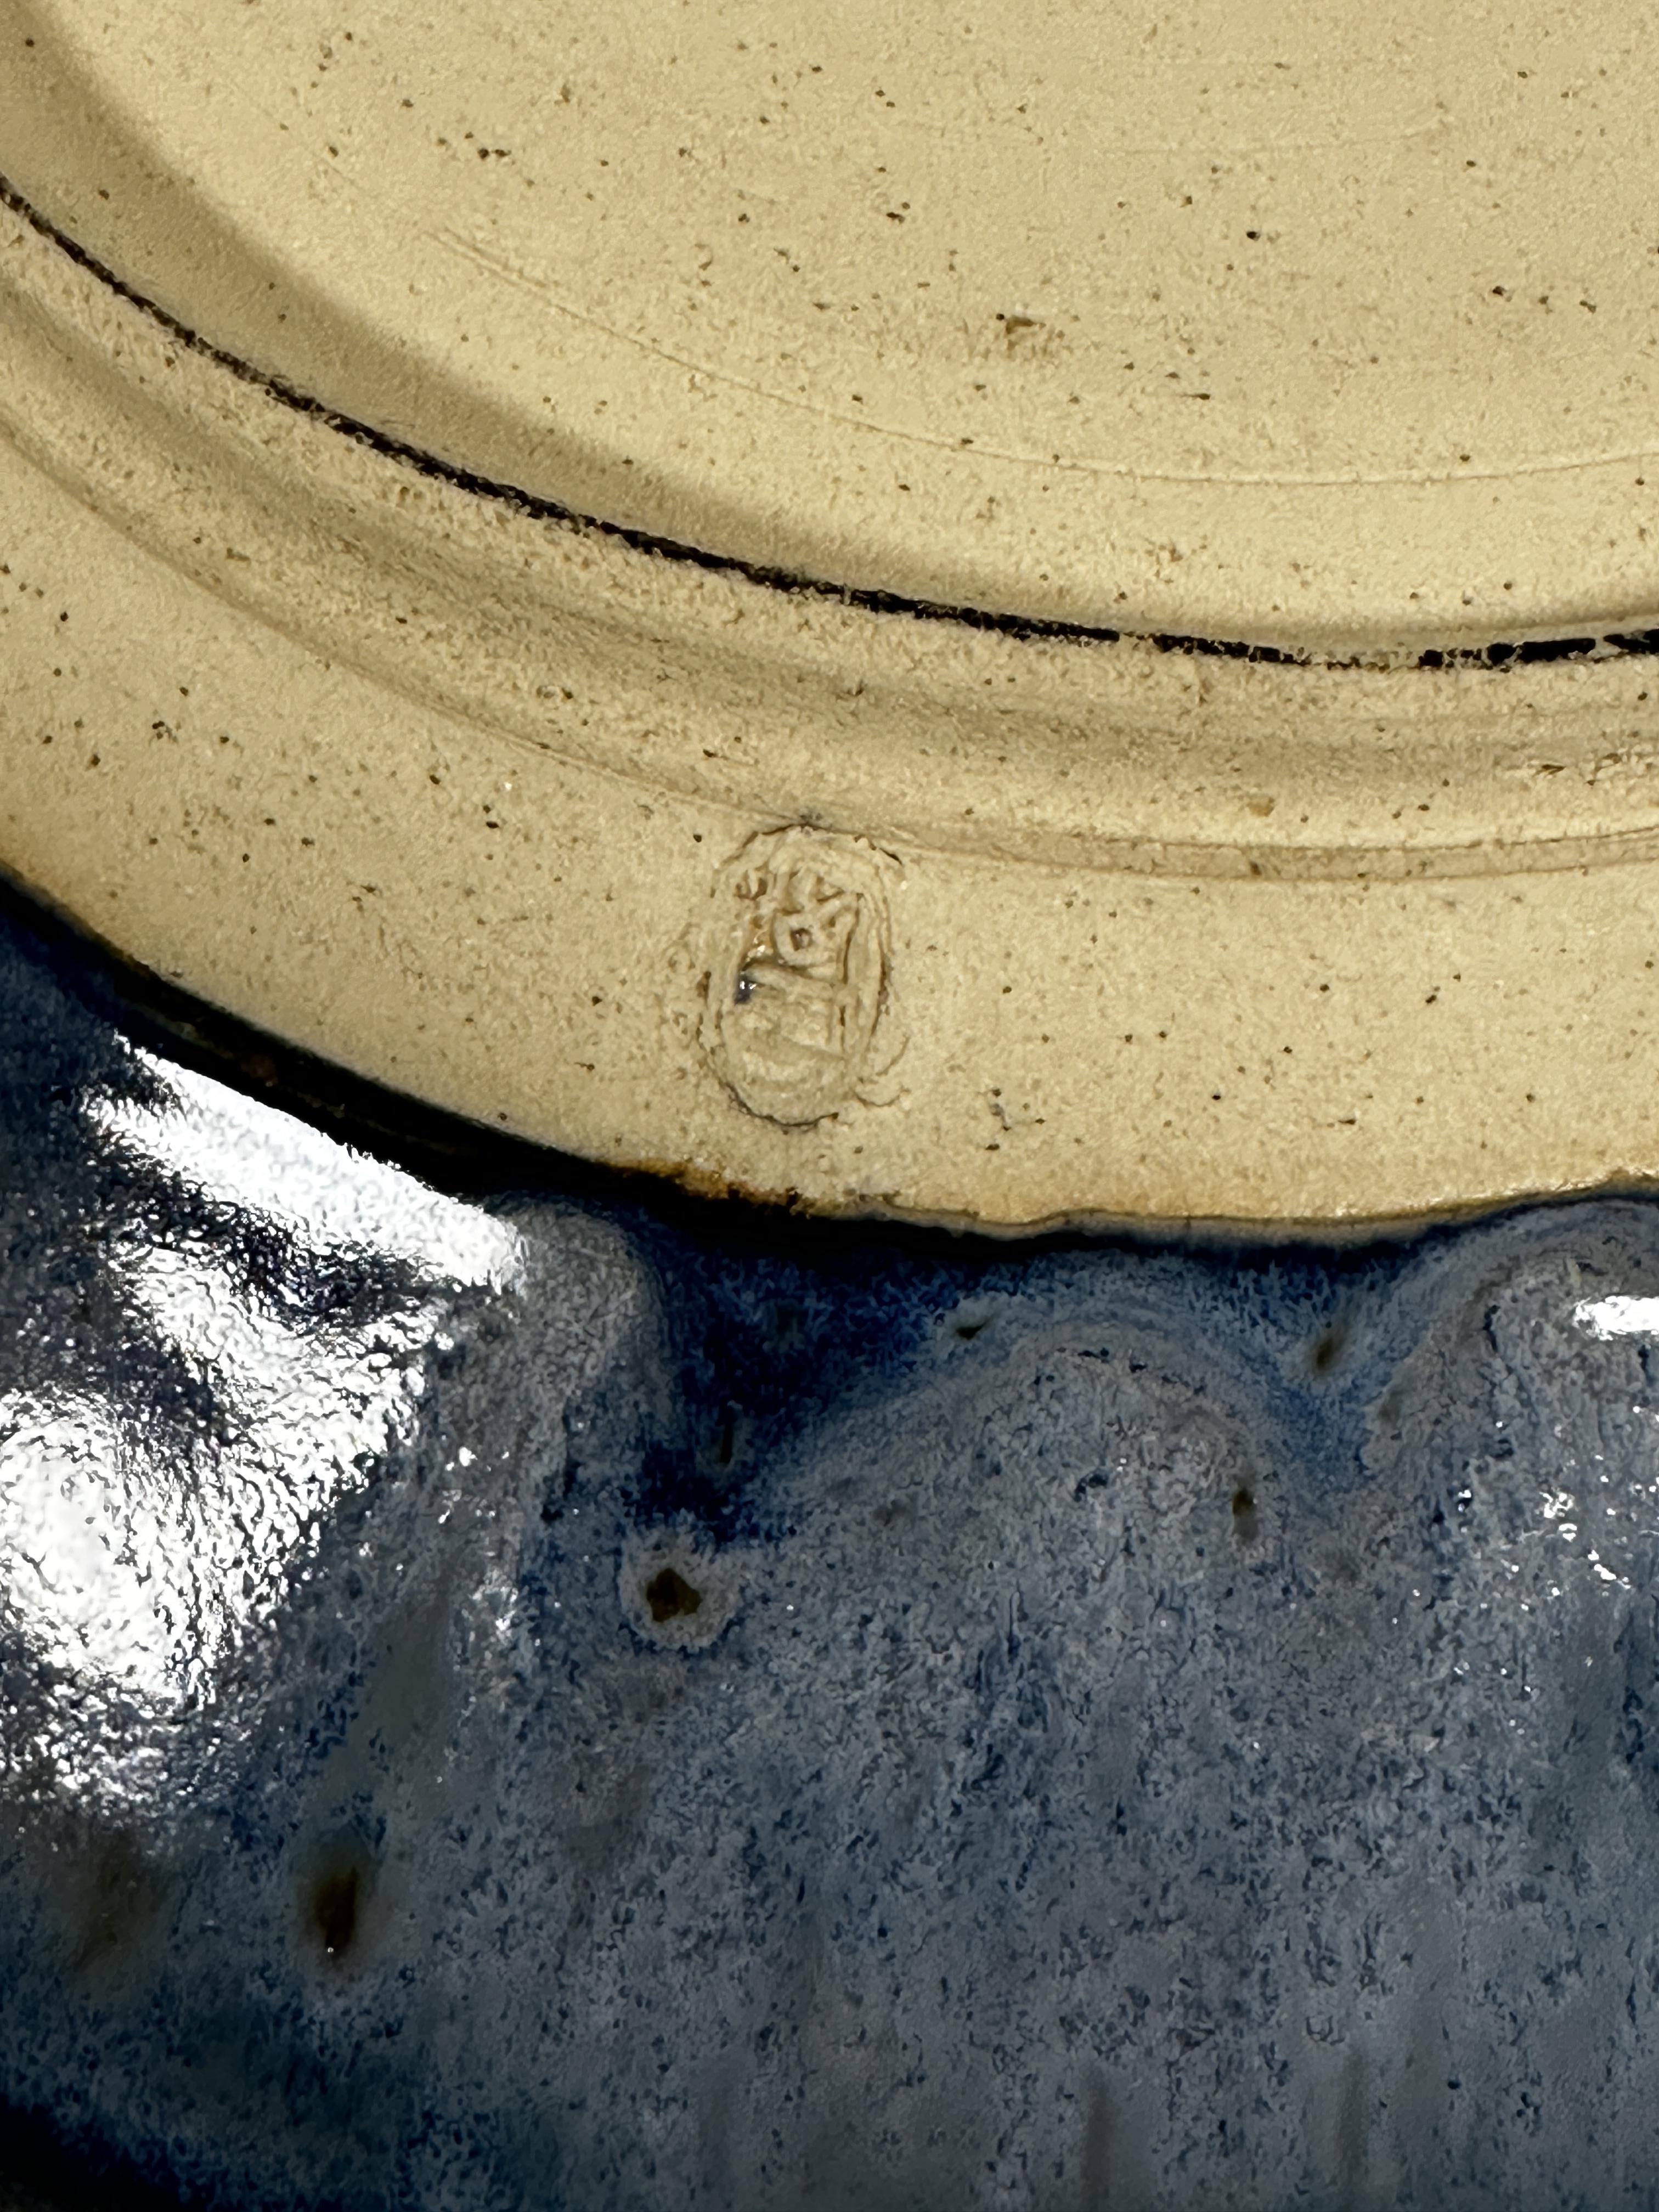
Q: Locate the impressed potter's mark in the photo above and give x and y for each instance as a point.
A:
(796, 1019)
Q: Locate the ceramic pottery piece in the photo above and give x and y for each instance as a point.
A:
(534, 1697)
(1154, 514)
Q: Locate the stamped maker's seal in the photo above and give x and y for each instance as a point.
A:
(797, 1020)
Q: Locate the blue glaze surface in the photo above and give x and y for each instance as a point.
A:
(518, 1698)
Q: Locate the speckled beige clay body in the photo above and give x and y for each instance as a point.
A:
(1005, 617)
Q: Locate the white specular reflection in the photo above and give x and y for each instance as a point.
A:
(142, 1564)
(136, 1554)
(1608, 1318)
(252, 1156)
(1598, 1516)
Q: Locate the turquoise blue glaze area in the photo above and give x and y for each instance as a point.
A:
(545, 1696)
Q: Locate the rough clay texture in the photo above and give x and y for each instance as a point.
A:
(465, 796)
(549, 1701)
(1316, 324)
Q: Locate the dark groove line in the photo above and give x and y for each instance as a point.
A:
(1502, 655)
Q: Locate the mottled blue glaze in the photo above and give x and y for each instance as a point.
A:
(566, 1700)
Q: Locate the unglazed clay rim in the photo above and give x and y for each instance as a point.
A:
(319, 530)
(1518, 648)
(157, 423)
(1425, 428)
